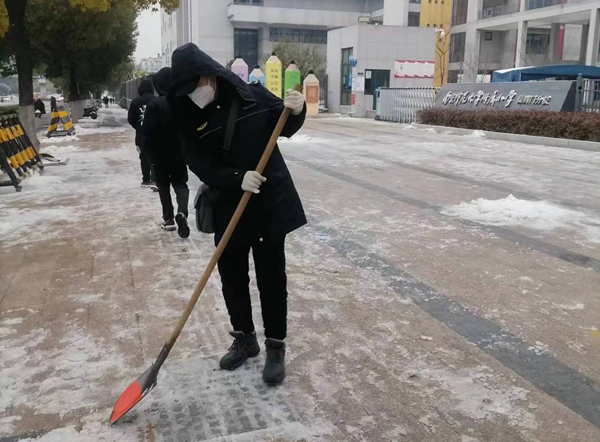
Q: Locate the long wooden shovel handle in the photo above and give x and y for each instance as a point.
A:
(228, 232)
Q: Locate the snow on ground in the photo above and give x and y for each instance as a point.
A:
(57, 140)
(540, 215)
(357, 362)
(59, 151)
(92, 129)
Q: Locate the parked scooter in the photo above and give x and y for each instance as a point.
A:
(90, 112)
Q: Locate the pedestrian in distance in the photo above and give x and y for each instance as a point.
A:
(53, 107)
(163, 147)
(203, 95)
(105, 99)
(135, 117)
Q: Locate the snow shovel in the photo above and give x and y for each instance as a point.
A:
(147, 381)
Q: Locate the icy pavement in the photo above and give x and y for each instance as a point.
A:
(426, 302)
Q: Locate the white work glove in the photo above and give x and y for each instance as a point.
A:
(252, 181)
(295, 101)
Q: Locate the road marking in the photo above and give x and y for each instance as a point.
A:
(564, 383)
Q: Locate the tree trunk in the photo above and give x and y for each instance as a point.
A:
(75, 103)
(22, 46)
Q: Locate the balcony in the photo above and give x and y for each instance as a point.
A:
(498, 10)
(251, 12)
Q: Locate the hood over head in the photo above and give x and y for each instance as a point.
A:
(161, 81)
(145, 87)
(189, 63)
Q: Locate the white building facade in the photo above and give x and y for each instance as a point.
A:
(488, 35)
(226, 29)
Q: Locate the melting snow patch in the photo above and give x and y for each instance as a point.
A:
(80, 130)
(541, 215)
(578, 306)
(477, 134)
(473, 395)
(411, 126)
(59, 151)
(58, 140)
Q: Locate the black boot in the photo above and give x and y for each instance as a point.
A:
(274, 372)
(245, 346)
(182, 225)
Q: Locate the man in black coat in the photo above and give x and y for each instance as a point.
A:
(202, 94)
(135, 117)
(162, 145)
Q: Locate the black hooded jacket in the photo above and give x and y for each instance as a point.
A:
(138, 106)
(159, 135)
(277, 209)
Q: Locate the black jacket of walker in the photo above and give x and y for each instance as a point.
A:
(277, 210)
(138, 107)
(159, 135)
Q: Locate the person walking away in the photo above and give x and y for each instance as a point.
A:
(135, 117)
(164, 151)
(105, 99)
(39, 108)
(203, 95)
(53, 107)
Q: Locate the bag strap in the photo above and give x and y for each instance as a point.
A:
(230, 128)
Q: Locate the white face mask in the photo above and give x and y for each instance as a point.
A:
(203, 96)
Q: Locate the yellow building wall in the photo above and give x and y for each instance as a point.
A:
(438, 14)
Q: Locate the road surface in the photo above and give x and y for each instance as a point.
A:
(445, 289)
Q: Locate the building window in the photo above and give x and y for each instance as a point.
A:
(346, 95)
(537, 43)
(414, 18)
(427, 24)
(488, 36)
(314, 36)
(248, 2)
(457, 47)
(459, 12)
(414, 1)
(536, 4)
(245, 45)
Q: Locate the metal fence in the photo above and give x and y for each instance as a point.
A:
(589, 95)
(402, 104)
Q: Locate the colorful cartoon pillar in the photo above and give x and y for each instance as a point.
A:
(257, 76)
(292, 77)
(240, 68)
(273, 75)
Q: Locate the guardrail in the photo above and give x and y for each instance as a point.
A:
(401, 105)
(589, 91)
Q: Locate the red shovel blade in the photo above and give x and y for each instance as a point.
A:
(134, 393)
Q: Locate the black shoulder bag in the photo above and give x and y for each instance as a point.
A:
(206, 198)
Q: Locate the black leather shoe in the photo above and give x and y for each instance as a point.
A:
(244, 346)
(274, 372)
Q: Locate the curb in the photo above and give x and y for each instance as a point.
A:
(591, 146)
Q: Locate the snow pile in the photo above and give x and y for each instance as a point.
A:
(410, 126)
(80, 130)
(57, 140)
(59, 151)
(477, 134)
(540, 215)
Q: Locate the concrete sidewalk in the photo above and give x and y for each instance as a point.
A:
(388, 301)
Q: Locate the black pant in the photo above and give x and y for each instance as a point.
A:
(146, 165)
(175, 175)
(269, 261)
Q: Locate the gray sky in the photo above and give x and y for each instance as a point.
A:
(148, 42)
